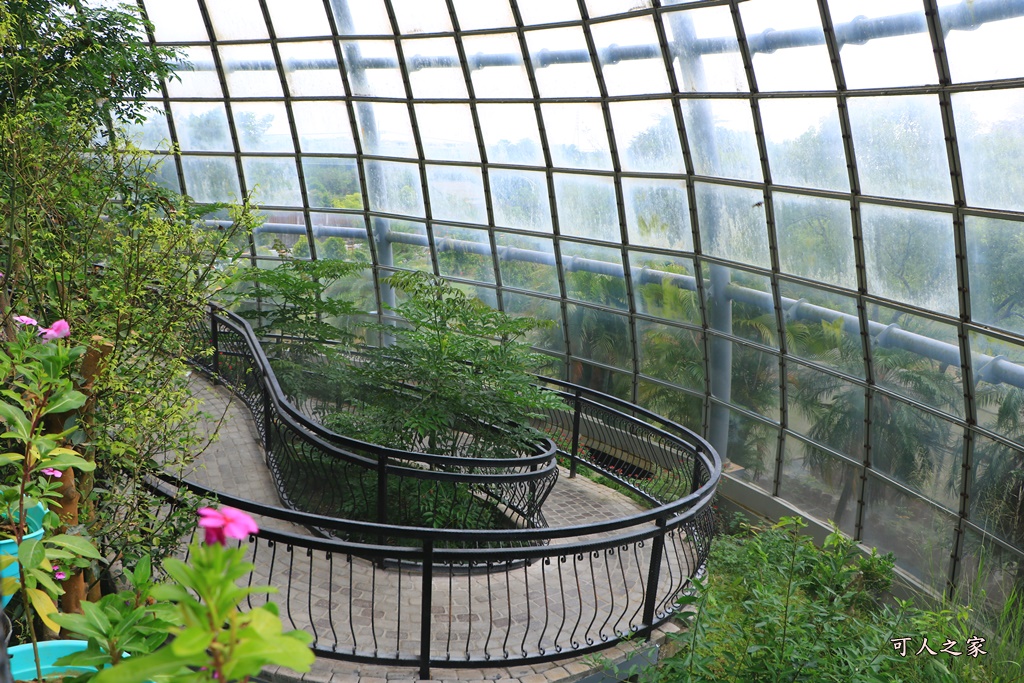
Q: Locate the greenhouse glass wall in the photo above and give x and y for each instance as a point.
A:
(796, 226)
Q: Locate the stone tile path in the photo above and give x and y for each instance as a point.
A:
(350, 601)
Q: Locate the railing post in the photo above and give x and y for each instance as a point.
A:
(425, 607)
(382, 489)
(697, 462)
(268, 411)
(573, 456)
(653, 574)
(215, 343)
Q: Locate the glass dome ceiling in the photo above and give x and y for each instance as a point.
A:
(796, 225)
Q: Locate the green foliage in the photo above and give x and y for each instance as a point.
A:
(455, 369)
(213, 639)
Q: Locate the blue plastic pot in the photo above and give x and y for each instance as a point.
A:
(10, 547)
(23, 661)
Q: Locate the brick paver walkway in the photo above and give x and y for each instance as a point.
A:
(368, 609)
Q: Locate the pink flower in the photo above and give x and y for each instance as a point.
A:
(25, 320)
(225, 523)
(58, 330)
(52, 472)
(58, 574)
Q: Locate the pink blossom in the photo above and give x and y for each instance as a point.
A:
(25, 320)
(58, 574)
(52, 472)
(58, 330)
(225, 523)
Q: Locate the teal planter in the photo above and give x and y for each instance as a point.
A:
(23, 661)
(10, 547)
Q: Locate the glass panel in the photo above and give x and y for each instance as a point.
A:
(995, 251)
(510, 134)
(750, 300)
(869, 63)
(619, 44)
(917, 449)
(447, 132)
(527, 263)
(434, 69)
(339, 236)
(594, 274)
(277, 236)
(478, 14)
(262, 127)
(600, 336)
(996, 494)
(385, 129)
(153, 133)
(805, 143)
(657, 213)
(755, 376)
(323, 127)
(550, 337)
(332, 183)
(372, 67)
(199, 79)
(988, 573)
(898, 367)
(236, 20)
(561, 63)
(422, 16)
(815, 238)
(826, 409)
(920, 536)
(273, 181)
(456, 194)
(163, 172)
(664, 287)
(598, 8)
(900, 147)
(298, 18)
(311, 69)
(201, 126)
(1001, 405)
(520, 199)
(673, 354)
(721, 136)
(910, 256)
(177, 21)
(577, 135)
(752, 447)
(250, 71)
(733, 224)
(586, 207)
(721, 71)
(366, 17)
(394, 188)
(988, 130)
(464, 253)
(823, 327)
(408, 241)
(210, 179)
(548, 11)
(606, 381)
(679, 406)
(496, 66)
(784, 67)
(819, 483)
(646, 136)
(980, 51)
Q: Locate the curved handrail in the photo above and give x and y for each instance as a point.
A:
(551, 592)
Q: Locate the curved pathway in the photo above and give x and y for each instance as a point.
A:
(373, 610)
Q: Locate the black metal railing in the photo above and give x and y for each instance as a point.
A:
(402, 596)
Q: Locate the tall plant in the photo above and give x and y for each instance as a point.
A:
(88, 236)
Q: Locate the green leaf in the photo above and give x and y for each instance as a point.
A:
(95, 614)
(77, 544)
(141, 669)
(16, 419)
(65, 401)
(80, 624)
(192, 641)
(68, 459)
(44, 578)
(31, 553)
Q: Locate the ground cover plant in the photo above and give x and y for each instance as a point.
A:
(773, 607)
